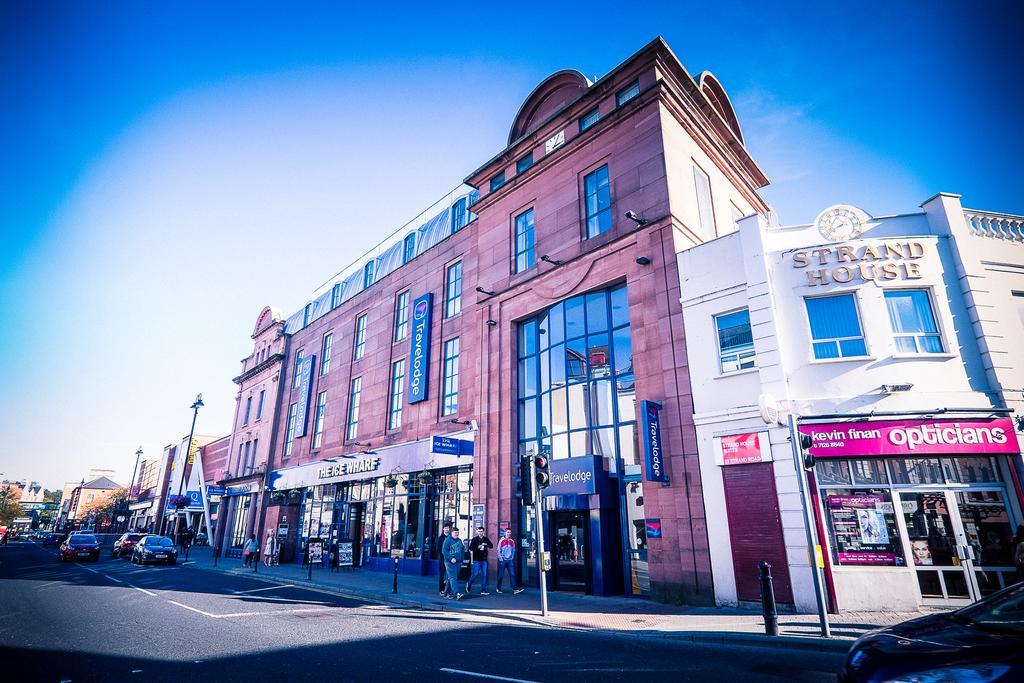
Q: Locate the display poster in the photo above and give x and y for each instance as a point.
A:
(743, 449)
(344, 553)
(479, 517)
(863, 529)
(652, 527)
(315, 550)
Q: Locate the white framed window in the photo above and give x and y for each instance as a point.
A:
(912, 318)
(298, 369)
(360, 346)
(735, 341)
(524, 241)
(450, 383)
(836, 331)
(453, 290)
(705, 212)
(318, 419)
(290, 434)
(402, 316)
(397, 391)
(325, 358)
(353, 408)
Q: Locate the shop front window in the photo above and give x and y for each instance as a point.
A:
(862, 527)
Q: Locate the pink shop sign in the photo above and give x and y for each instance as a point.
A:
(911, 438)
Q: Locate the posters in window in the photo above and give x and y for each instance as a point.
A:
(872, 527)
(861, 532)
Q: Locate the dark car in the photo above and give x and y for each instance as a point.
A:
(154, 549)
(983, 643)
(79, 547)
(124, 545)
(52, 539)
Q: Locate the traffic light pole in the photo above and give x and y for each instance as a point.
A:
(809, 527)
(538, 506)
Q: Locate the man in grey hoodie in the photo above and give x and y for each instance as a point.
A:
(453, 551)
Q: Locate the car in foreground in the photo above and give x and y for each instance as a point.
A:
(982, 643)
(125, 544)
(155, 549)
(79, 547)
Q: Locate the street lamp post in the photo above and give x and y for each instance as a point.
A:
(196, 405)
(135, 472)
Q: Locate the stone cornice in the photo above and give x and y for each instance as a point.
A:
(255, 370)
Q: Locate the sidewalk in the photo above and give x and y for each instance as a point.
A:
(572, 610)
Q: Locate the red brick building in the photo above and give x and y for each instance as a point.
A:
(542, 315)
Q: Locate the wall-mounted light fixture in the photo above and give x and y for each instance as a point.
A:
(491, 323)
(552, 261)
(631, 215)
(484, 291)
(643, 261)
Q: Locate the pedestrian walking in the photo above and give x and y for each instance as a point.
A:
(251, 551)
(270, 549)
(506, 561)
(478, 548)
(442, 568)
(453, 550)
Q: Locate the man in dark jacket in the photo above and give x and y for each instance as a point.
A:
(442, 569)
(453, 550)
(478, 550)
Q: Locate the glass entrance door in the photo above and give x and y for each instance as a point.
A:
(570, 551)
(959, 542)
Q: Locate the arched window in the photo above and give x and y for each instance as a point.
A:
(409, 248)
(368, 274)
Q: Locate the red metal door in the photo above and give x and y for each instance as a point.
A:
(755, 527)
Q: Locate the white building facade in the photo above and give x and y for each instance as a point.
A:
(897, 343)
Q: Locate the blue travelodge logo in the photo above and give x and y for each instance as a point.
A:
(419, 348)
(654, 455)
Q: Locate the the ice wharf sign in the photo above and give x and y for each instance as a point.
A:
(911, 437)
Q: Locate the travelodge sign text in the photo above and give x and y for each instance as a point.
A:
(654, 453)
(419, 348)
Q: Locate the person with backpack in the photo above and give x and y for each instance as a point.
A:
(453, 551)
(478, 552)
(506, 561)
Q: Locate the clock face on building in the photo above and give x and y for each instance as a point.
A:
(840, 223)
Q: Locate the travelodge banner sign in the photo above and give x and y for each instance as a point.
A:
(419, 348)
(911, 437)
(654, 455)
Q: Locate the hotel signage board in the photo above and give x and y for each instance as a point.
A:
(419, 348)
(654, 452)
(574, 476)
(305, 387)
(967, 436)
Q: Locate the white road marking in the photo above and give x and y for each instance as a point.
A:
(280, 611)
(48, 583)
(141, 589)
(487, 676)
(267, 588)
(207, 614)
(113, 579)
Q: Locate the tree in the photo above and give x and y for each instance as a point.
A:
(107, 507)
(52, 496)
(9, 508)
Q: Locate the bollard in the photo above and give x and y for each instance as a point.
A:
(771, 615)
(394, 584)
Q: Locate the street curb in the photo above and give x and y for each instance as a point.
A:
(836, 645)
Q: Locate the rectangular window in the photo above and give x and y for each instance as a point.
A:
(598, 199)
(368, 273)
(318, 419)
(453, 290)
(353, 408)
(252, 458)
(704, 211)
(290, 434)
(459, 215)
(735, 341)
(336, 296)
(298, 369)
(627, 93)
(397, 387)
(307, 315)
(589, 119)
(497, 181)
(402, 316)
(241, 461)
(913, 321)
(325, 358)
(835, 327)
(409, 248)
(259, 406)
(360, 345)
(450, 393)
(524, 241)
(524, 163)
(248, 408)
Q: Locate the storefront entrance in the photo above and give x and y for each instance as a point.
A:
(570, 552)
(959, 541)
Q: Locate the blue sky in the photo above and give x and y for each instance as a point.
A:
(167, 170)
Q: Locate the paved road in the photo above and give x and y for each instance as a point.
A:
(112, 621)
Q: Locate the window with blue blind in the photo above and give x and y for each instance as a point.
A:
(913, 321)
(524, 241)
(524, 163)
(627, 93)
(409, 248)
(836, 331)
(735, 341)
(589, 119)
(598, 200)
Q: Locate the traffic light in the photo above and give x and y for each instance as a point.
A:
(526, 479)
(805, 449)
(542, 469)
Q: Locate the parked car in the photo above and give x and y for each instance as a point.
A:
(982, 643)
(155, 549)
(79, 547)
(124, 545)
(53, 538)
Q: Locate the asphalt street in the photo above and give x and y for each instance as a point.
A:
(113, 621)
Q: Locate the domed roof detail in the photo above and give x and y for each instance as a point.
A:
(712, 89)
(268, 316)
(553, 93)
